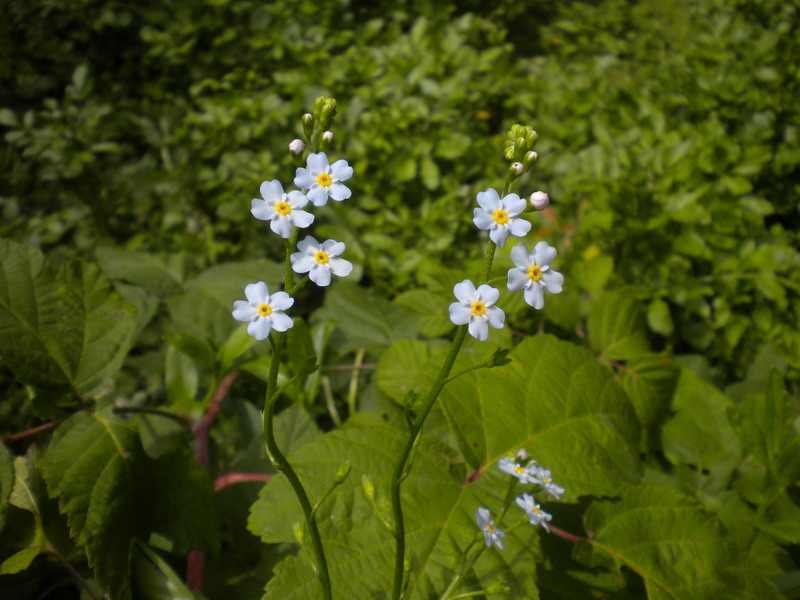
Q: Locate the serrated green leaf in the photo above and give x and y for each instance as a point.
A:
(294, 428)
(556, 401)
(73, 331)
(182, 504)
(159, 274)
(616, 328)
(699, 432)
(363, 319)
(408, 365)
(160, 435)
(650, 382)
(681, 551)
(88, 468)
(434, 321)
(440, 513)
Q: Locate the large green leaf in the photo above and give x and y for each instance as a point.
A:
(681, 551)
(364, 320)
(69, 331)
(439, 508)
(559, 403)
(616, 325)
(88, 467)
(161, 275)
(699, 433)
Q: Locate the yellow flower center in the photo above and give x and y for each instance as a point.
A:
(537, 510)
(321, 257)
(265, 310)
(478, 308)
(324, 179)
(535, 273)
(500, 217)
(519, 470)
(490, 528)
(545, 480)
(283, 208)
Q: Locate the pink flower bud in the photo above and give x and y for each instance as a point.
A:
(539, 200)
(297, 146)
(328, 136)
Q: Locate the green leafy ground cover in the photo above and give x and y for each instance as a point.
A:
(660, 387)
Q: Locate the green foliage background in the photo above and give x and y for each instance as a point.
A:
(134, 137)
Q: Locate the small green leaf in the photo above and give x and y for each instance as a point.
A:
(429, 172)
(182, 378)
(6, 481)
(659, 318)
(592, 275)
(154, 579)
(159, 274)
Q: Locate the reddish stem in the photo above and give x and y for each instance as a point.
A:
(224, 481)
(34, 431)
(196, 561)
(203, 426)
(567, 536)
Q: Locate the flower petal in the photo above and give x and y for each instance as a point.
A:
(519, 227)
(534, 295)
(465, 291)
(459, 314)
(332, 247)
(317, 163)
(519, 254)
(308, 243)
(262, 210)
(272, 190)
(479, 329)
(517, 279)
(543, 254)
(257, 293)
(496, 316)
(282, 225)
(304, 264)
(489, 200)
(244, 311)
(341, 171)
(320, 274)
(318, 195)
(553, 281)
(482, 219)
(303, 178)
(302, 218)
(259, 328)
(281, 322)
(341, 267)
(513, 204)
(281, 301)
(339, 191)
(488, 293)
(296, 199)
(499, 235)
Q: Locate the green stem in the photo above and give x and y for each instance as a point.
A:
(276, 457)
(415, 426)
(400, 466)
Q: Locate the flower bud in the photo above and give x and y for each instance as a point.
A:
(326, 140)
(518, 168)
(521, 456)
(328, 136)
(308, 125)
(297, 146)
(539, 200)
(342, 472)
(369, 487)
(530, 159)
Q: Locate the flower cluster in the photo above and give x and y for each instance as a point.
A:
(284, 211)
(530, 473)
